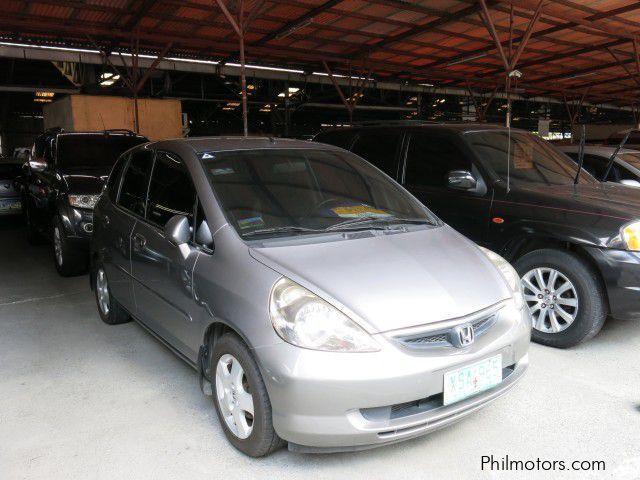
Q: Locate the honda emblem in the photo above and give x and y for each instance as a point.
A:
(462, 335)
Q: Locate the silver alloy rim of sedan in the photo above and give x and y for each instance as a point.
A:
(234, 396)
(57, 245)
(102, 289)
(552, 299)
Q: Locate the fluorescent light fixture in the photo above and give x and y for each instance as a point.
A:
(42, 94)
(107, 83)
(106, 75)
(426, 84)
(466, 59)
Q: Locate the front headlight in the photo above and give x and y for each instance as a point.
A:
(83, 201)
(631, 236)
(510, 275)
(305, 320)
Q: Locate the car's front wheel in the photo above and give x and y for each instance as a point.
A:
(69, 261)
(108, 307)
(241, 398)
(564, 295)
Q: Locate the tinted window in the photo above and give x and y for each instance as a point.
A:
(114, 178)
(431, 157)
(379, 148)
(524, 158)
(170, 191)
(305, 189)
(593, 164)
(339, 138)
(133, 193)
(93, 150)
(8, 171)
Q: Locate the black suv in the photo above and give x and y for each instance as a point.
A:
(575, 246)
(62, 182)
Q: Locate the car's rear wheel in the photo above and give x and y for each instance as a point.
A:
(108, 307)
(69, 261)
(241, 398)
(564, 295)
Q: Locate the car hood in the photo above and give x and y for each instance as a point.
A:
(607, 199)
(388, 282)
(85, 181)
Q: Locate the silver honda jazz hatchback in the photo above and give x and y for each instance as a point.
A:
(320, 303)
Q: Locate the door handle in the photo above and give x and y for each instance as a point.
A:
(139, 242)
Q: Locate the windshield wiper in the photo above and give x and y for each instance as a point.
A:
(370, 221)
(284, 229)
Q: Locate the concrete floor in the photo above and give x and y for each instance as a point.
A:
(83, 400)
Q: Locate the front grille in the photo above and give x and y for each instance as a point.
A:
(442, 338)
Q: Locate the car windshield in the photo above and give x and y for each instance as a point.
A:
(274, 192)
(632, 159)
(531, 160)
(93, 150)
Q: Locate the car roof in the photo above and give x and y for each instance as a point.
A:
(459, 127)
(596, 149)
(216, 144)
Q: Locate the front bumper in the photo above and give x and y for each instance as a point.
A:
(620, 271)
(327, 402)
(78, 224)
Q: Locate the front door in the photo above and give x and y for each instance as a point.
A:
(163, 272)
(429, 159)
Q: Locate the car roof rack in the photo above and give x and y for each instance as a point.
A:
(119, 130)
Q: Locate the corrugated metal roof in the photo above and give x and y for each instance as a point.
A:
(575, 45)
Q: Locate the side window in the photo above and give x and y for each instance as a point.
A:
(379, 148)
(171, 191)
(133, 193)
(114, 178)
(339, 138)
(593, 164)
(430, 158)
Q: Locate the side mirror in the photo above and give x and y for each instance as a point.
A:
(177, 230)
(461, 180)
(630, 183)
(37, 166)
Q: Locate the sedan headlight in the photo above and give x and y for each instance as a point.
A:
(305, 320)
(631, 236)
(83, 201)
(510, 275)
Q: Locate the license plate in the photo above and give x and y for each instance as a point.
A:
(471, 379)
(10, 205)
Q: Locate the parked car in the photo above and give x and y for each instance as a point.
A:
(575, 246)
(61, 184)
(616, 138)
(322, 304)
(9, 197)
(625, 168)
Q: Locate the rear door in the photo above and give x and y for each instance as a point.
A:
(163, 272)
(118, 220)
(430, 156)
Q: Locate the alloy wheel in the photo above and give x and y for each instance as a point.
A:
(234, 396)
(552, 299)
(102, 291)
(57, 245)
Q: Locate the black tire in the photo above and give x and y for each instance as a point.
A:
(72, 260)
(263, 439)
(592, 304)
(115, 314)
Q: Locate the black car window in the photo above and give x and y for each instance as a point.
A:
(379, 148)
(133, 193)
(93, 149)
(339, 138)
(114, 178)
(431, 157)
(593, 164)
(170, 191)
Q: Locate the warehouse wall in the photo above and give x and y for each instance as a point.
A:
(159, 119)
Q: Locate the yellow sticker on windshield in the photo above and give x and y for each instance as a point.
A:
(356, 211)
